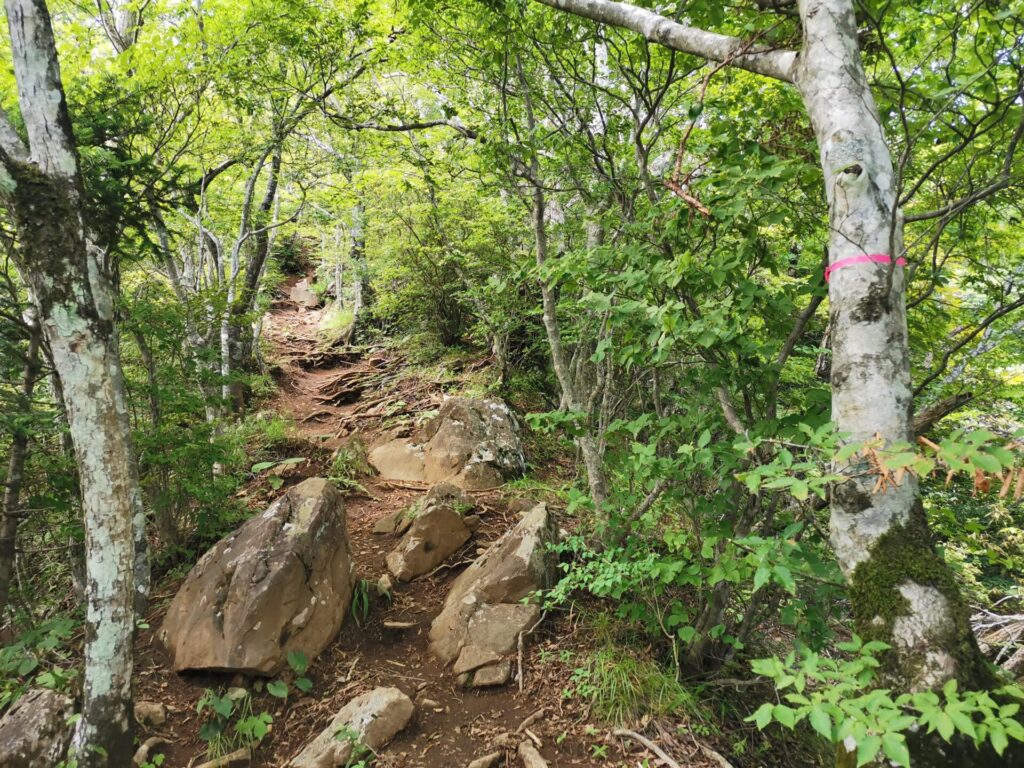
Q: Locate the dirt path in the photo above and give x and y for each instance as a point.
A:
(452, 726)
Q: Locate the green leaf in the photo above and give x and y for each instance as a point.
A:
(895, 747)
(260, 466)
(223, 706)
(298, 662)
(704, 439)
(278, 688)
(784, 715)
(821, 722)
(304, 684)
(944, 725)
(761, 577)
(785, 578)
(986, 462)
(799, 490)
(997, 735)
(867, 749)
(762, 716)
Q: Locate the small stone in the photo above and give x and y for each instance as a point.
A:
(472, 521)
(487, 761)
(150, 713)
(385, 586)
(497, 674)
(374, 717)
(388, 523)
(439, 531)
(429, 703)
(400, 624)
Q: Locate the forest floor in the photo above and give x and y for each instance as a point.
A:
(458, 725)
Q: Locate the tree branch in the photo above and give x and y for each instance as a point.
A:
(10, 141)
(455, 125)
(998, 313)
(934, 413)
(771, 62)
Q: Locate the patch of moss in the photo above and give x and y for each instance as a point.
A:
(906, 553)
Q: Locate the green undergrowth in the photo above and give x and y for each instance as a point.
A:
(334, 321)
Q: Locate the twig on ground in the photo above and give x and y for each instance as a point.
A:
(643, 740)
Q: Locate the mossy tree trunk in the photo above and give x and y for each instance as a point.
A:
(901, 590)
(42, 187)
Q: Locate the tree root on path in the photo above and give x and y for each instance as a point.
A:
(647, 743)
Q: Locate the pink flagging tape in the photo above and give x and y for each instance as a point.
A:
(876, 258)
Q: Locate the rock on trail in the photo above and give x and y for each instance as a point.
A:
(369, 721)
(473, 444)
(483, 614)
(438, 528)
(34, 732)
(281, 583)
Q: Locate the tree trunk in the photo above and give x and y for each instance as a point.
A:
(901, 589)
(43, 188)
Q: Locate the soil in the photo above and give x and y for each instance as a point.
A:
(452, 726)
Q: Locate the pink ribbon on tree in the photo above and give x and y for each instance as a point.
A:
(865, 258)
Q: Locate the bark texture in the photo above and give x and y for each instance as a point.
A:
(74, 301)
(902, 591)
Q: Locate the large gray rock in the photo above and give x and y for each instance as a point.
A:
(483, 614)
(35, 732)
(303, 295)
(280, 583)
(474, 444)
(370, 720)
(438, 529)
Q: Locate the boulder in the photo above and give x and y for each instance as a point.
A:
(280, 583)
(303, 295)
(472, 443)
(35, 732)
(370, 720)
(483, 614)
(437, 531)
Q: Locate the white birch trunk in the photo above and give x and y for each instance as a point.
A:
(901, 589)
(43, 188)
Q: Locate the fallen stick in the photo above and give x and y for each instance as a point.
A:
(722, 762)
(531, 719)
(643, 740)
(519, 642)
(234, 760)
